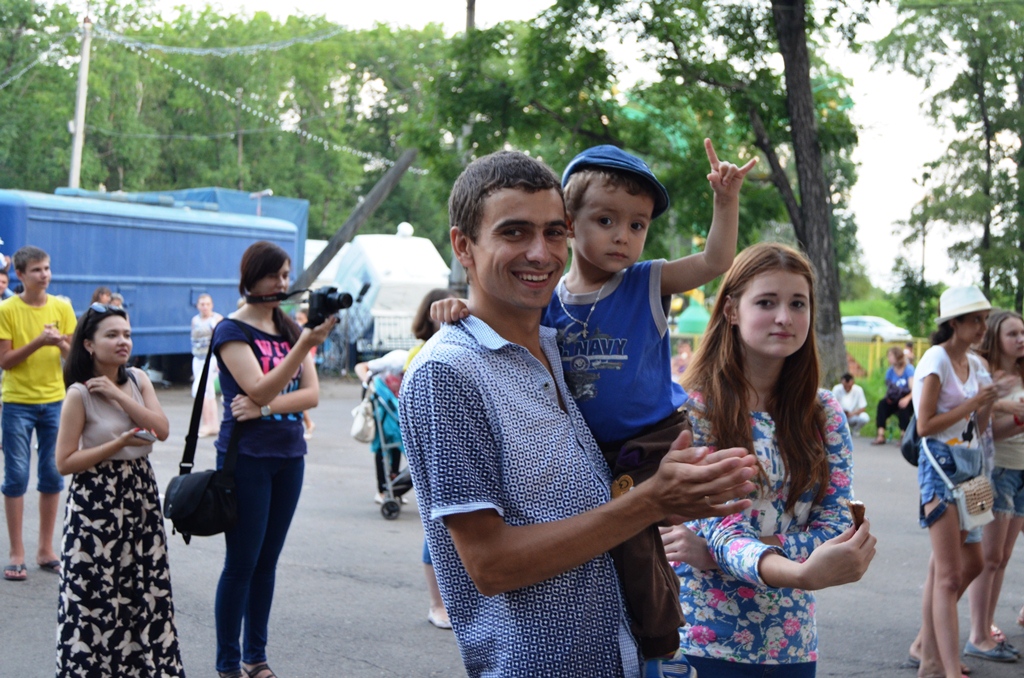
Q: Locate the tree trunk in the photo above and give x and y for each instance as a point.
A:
(813, 230)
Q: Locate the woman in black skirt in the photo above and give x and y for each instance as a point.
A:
(115, 615)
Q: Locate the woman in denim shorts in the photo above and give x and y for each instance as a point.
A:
(953, 398)
(1003, 347)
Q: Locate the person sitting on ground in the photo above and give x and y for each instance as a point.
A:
(898, 400)
(851, 399)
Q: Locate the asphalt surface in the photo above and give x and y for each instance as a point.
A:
(351, 600)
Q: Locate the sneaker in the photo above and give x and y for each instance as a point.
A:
(997, 654)
(378, 498)
(676, 667)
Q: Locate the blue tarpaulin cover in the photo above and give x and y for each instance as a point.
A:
(295, 210)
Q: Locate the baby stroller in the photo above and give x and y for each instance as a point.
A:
(387, 441)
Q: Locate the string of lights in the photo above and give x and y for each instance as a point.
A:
(218, 51)
(34, 61)
(375, 161)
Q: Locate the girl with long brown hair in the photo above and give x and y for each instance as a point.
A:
(1003, 348)
(753, 383)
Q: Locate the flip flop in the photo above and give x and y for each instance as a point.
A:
(52, 566)
(259, 671)
(915, 663)
(16, 572)
(876, 441)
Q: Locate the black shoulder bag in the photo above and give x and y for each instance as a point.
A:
(204, 503)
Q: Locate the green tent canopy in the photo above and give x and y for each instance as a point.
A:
(693, 320)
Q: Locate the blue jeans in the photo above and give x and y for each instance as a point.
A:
(268, 492)
(720, 668)
(17, 422)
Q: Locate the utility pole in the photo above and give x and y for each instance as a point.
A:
(363, 211)
(457, 281)
(78, 124)
(238, 133)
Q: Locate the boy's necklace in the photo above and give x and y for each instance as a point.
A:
(585, 324)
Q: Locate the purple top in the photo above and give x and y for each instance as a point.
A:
(278, 435)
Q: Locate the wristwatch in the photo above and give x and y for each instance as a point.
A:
(265, 411)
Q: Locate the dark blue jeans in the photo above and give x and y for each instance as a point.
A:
(723, 669)
(268, 492)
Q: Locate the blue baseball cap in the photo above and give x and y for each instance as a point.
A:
(613, 157)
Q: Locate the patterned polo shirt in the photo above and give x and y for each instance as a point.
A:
(483, 430)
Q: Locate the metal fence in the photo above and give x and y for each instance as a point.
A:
(869, 355)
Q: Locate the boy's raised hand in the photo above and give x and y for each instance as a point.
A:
(725, 178)
(448, 310)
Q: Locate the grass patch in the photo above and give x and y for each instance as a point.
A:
(882, 308)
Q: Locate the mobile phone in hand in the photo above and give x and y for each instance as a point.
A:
(143, 434)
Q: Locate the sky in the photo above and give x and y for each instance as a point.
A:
(896, 138)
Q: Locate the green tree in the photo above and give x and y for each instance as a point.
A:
(976, 183)
(916, 300)
(719, 59)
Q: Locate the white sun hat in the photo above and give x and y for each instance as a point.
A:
(958, 301)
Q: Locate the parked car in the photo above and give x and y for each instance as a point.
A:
(872, 328)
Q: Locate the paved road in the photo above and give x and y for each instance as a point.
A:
(350, 594)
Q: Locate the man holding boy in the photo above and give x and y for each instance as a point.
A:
(35, 334)
(513, 490)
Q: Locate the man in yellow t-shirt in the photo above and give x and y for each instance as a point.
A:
(35, 334)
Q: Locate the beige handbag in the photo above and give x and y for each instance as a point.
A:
(973, 497)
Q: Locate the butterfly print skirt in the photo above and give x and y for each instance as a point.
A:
(115, 616)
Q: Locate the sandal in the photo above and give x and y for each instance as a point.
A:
(16, 572)
(229, 674)
(878, 441)
(259, 671)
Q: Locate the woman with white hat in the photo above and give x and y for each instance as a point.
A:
(953, 396)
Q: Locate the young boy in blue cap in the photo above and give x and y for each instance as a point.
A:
(613, 335)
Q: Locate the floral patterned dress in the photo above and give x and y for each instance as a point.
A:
(734, 616)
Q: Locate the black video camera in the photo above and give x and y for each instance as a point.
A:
(325, 302)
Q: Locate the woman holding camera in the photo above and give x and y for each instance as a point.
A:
(115, 616)
(268, 379)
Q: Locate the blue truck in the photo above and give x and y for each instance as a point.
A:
(159, 250)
